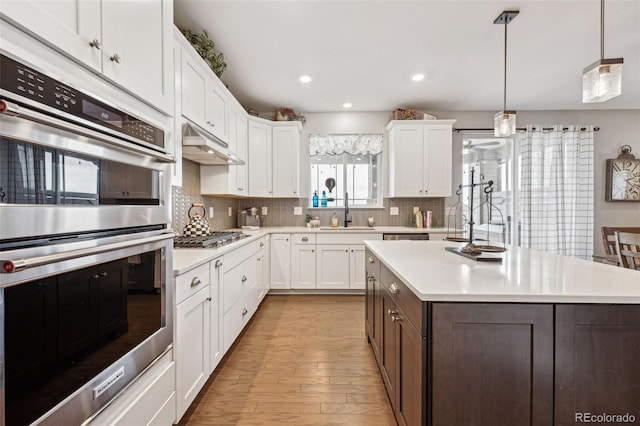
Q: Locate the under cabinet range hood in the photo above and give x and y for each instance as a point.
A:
(202, 147)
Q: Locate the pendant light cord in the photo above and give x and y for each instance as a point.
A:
(505, 66)
(601, 29)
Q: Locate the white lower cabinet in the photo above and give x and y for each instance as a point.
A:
(280, 261)
(150, 400)
(357, 275)
(333, 266)
(303, 261)
(216, 330)
(263, 266)
(191, 342)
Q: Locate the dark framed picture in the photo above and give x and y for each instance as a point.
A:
(623, 180)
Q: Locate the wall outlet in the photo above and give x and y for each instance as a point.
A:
(297, 211)
(416, 210)
(230, 212)
(393, 211)
(211, 212)
(264, 211)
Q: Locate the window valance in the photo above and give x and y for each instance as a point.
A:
(341, 144)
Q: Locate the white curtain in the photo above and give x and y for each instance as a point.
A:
(341, 144)
(556, 194)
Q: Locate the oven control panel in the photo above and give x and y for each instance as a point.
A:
(29, 83)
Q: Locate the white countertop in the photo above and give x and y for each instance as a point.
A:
(524, 275)
(185, 259)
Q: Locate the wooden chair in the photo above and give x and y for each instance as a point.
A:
(628, 248)
(609, 241)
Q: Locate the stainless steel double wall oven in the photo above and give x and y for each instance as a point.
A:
(85, 247)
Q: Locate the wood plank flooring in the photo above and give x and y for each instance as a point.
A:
(303, 360)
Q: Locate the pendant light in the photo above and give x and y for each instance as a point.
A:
(504, 122)
(602, 80)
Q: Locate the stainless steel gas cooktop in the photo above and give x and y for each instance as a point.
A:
(213, 240)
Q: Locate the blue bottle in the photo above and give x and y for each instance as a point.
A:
(315, 198)
(324, 199)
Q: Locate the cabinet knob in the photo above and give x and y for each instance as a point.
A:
(104, 274)
(392, 312)
(195, 282)
(218, 263)
(305, 239)
(96, 277)
(420, 191)
(261, 244)
(208, 299)
(346, 251)
(395, 318)
(313, 251)
(115, 58)
(95, 43)
(370, 260)
(244, 311)
(393, 288)
(244, 278)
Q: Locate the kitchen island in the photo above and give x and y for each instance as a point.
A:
(536, 339)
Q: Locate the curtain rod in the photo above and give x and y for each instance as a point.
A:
(455, 129)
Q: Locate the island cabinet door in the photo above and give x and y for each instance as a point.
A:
(388, 346)
(597, 363)
(411, 387)
(492, 364)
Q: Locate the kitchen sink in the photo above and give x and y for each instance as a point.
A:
(350, 228)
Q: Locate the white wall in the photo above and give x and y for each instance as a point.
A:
(617, 128)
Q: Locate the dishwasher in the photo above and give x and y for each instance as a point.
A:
(406, 236)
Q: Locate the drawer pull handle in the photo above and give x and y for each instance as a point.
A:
(305, 239)
(218, 263)
(244, 311)
(244, 278)
(195, 282)
(370, 260)
(393, 288)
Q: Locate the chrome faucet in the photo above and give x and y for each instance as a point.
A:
(347, 221)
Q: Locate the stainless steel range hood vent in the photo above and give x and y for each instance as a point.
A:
(202, 147)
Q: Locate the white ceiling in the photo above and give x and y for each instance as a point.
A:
(365, 52)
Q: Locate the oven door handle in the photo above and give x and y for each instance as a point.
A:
(17, 265)
(88, 129)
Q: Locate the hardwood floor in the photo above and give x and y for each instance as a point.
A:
(303, 360)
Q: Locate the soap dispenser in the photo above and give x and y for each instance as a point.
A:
(324, 199)
(315, 198)
(334, 220)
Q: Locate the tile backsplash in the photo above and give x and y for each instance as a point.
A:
(280, 210)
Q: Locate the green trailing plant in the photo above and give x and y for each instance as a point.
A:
(207, 50)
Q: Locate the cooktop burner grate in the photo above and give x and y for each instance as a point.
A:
(213, 240)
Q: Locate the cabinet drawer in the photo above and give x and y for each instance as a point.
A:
(372, 263)
(343, 237)
(238, 281)
(404, 298)
(233, 258)
(191, 282)
(239, 315)
(303, 238)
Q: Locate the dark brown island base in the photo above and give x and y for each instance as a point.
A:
(537, 339)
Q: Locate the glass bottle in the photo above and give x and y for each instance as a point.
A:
(323, 203)
(315, 198)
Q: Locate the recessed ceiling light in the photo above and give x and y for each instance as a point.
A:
(305, 79)
(347, 105)
(417, 77)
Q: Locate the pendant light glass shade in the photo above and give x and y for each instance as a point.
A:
(602, 80)
(504, 123)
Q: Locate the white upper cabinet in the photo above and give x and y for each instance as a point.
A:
(274, 157)
(420, 158)
(260, 159)
(229, 180)
(286, 160)
(204, 98)
(128, 42)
